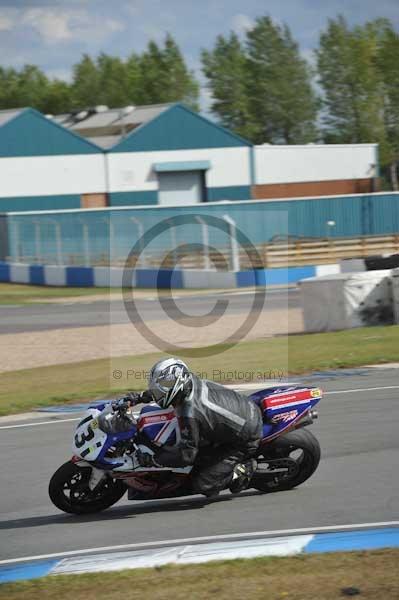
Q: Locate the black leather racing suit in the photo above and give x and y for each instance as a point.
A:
(219, 428)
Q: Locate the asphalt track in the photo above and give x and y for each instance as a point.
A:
(357, 480)
(42, 317)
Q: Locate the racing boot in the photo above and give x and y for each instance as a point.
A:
(242, 476)
(125, 463)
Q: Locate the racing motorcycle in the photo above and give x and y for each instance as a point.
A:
(287, 456)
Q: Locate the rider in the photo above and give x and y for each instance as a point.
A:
(220, 428)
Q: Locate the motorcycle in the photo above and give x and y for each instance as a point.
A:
(287, 455)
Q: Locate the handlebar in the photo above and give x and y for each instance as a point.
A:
(123, 404)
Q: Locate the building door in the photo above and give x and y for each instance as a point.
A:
(181, 187)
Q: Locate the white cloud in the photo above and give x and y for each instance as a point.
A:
(6, 23)
(64, 25)
(53, 26)
(8, 18)
(241, 23)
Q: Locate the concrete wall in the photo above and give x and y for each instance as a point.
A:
(314, 162)
(133, 172)
(52, 175)
(314, 169)
(156, 278)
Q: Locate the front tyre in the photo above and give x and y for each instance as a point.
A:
(69, 490)
(286, 462)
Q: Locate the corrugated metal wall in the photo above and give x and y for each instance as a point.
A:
(259, 221)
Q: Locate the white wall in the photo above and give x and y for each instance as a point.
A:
(130, 171)
(52, 175)
(287, 164)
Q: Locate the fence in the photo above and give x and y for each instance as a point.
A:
(311, 231)
(299, 253)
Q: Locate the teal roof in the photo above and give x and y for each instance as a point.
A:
(26, 132)
(178, 128)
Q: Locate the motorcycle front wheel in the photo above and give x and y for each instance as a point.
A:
(286, 462)
(69, 490)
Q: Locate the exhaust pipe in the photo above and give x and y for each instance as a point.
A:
(308, 419)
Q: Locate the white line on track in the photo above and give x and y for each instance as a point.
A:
(56, 421)
(212, 538)
(53, 422)
(369, 389)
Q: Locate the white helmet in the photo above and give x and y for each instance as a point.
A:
(168, 377)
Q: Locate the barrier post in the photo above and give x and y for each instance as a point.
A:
(140, 228)
(205, 242)
(235, 256)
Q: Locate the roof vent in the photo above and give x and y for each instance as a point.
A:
(101, 108)
(126, 110)
(82, 115)
(49, 116)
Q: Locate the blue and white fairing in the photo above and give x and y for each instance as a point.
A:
(92, 444)
(283, 406)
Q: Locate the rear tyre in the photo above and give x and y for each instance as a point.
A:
(69, 490)
(295, 456)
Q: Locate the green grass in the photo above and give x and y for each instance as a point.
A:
(15, 293)
(375, 576)
(271, 358)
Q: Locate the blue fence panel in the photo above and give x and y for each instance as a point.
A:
(36, 274)
(96, 236)
(80, 276)
(4, 272)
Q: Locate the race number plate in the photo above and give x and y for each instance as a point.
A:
(88, 439)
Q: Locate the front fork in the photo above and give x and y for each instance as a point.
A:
(96, 475)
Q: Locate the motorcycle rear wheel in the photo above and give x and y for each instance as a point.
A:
(69, 491)
(298, 450)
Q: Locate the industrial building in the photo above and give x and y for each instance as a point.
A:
(315, 170)
(160, 155)
(44, 166)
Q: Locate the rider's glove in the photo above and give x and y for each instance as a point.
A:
(122, 404)
(133, 398)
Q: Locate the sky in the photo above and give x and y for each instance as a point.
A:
(53, 34)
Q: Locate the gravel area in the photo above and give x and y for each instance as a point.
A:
(58, 346)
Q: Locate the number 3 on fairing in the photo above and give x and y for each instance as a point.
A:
(84, 437)
(89, 439)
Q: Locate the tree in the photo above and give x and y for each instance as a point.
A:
(86, 87)
(181, 84)
(158, 75)
(388, 65)
(27, 87)
(9, 97)
(359, 74)
(113, 81)
(133, 82)
(153, 79)
(282, 101)
(348, 75)
(164, 76)
(265, 87)
(226, 69)
(58, 98)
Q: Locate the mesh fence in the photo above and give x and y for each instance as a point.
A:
(195, 236)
